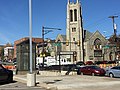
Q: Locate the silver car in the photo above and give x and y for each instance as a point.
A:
(113, 72)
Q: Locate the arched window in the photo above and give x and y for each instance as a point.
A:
(97, 44)
(75, 14)
(110, 56)
(71, 15)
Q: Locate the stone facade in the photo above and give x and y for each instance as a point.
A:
(87, 45)
(74, 29)
(94, 44)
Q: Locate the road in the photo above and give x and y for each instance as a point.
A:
(17, 86)
(75, 82)
(84, 82)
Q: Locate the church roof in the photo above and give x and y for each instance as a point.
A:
(64, 37)
(61, 37)
(87, 35)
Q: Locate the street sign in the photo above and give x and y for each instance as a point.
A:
(57, 44)
(108, 46)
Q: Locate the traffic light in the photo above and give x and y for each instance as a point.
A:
(67, 42)
(78, 42)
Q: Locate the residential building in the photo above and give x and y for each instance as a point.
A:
(8, 53)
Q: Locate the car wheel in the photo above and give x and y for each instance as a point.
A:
(111, 75)
(93, 74)
(10, 79)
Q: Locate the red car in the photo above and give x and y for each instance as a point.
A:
(92, 70)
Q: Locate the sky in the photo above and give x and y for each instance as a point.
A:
(14, 17)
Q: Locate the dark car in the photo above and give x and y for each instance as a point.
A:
(80, 63)
(101, 62)
(5, 75)
(92, 70)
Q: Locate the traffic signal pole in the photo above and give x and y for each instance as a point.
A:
(46, 30)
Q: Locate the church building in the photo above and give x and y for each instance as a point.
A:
(84, 45)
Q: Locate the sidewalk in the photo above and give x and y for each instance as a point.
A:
(45, 79)
(73, 82)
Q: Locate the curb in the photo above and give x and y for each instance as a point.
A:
(22, 80)
(48, 87)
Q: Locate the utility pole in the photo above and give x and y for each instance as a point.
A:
(114, 25)
(43, 51)
(115, 35)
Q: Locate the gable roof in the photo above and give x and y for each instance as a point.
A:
(63, 37)
(87, 35)
(95, 33)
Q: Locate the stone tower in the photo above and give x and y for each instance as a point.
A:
(74, 29)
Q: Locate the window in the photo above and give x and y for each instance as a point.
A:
(71, 15)
(75, 14)
(74, 29)
(115, 68)
(97, 44)
(73, 39)
(97, 53)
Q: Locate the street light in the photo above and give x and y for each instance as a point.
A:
(31, 79)
(46, 30)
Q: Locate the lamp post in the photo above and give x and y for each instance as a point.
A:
(31, 79)
(46, 30)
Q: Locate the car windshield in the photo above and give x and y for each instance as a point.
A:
(95, 67)
(117, 67)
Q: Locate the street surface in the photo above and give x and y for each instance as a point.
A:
(77, 82)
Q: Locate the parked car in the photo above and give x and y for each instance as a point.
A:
(78, 70)
(100, 62)
(39, 66)
(92, 70)
(80, 63)
(113, 72)
(5, 74)
(89, 63)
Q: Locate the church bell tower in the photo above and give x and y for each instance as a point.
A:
(74, 29)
